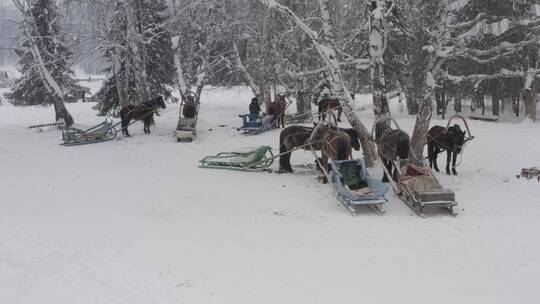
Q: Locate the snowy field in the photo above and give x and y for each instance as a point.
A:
(136, 221)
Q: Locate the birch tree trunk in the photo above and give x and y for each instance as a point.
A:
(436, 59)
(533, 90)
(377, 48)
(136, 45)
(328, 54)
(120, 81)
(532, 98)
(29, 29)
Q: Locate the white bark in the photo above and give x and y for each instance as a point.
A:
(377, 48)
(436, 53)
(138, 50)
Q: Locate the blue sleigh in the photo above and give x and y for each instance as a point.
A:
(352, 199)
(255, 124)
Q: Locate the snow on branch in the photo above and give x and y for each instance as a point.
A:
(272, 4)
(501, 51)
(247, 75)
(503, 73)
(496, 28)
(469, 23)
(458, 4)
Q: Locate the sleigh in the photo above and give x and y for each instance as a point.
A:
(298, 118)
(253, 124)
(259, 159)
(186, 130)
(420, 189)
(356, 188)
(102, 132)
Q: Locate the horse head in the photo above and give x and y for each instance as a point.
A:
(458, 136)
(159, 102)
(380, 127)
(355, 139)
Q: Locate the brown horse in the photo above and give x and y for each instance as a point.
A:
(297, 136)
(144, 112)
(277, 109)
(391, 145)
(329, 104)
(190, 107)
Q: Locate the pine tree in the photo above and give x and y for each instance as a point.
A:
(140, 55)
(30, 89)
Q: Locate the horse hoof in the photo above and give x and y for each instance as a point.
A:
(437, 170)
(454, 172)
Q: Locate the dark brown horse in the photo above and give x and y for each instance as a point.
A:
(144, 112)
(329, 104)
(190, 107)
(391, 145)
(450, 139)
(297, 136)
(277, 109)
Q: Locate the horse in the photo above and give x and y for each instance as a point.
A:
(329, 104)
(277, 109)
(189, 109)
(299, 136)
(450, 139)
(144, 112)
(391, 145)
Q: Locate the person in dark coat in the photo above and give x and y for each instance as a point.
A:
(254, 107)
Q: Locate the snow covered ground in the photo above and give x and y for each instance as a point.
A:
(136, 221)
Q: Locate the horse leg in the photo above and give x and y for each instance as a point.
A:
(324, 163)
(436, 152)
(125, 125)
(454, 159)
(395, 175)
(147, 123)
(430, 151)
(285, 159)
(339, 114)
(388, 165)
(448, 159)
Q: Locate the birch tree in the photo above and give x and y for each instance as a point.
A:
(435, 53)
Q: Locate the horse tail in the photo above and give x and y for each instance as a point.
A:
(285, 157)
(404, 145)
